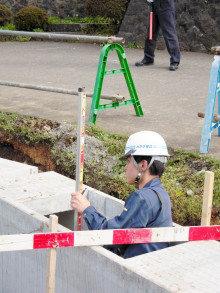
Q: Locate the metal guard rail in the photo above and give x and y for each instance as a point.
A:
(115, 98)
(84, 38)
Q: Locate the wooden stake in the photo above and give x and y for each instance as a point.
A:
(51, 258)
(207, 198)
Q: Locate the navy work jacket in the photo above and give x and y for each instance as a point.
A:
(143, 209)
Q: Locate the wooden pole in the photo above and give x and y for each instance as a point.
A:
(51, 258)
(207, 198)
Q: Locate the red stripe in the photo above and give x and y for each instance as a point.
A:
(204, 233)
(151, 27)
(53, 240)
(131, 236)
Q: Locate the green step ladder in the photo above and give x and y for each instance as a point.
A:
(134, 100)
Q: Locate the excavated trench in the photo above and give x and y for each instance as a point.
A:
(59, 156)
(39, 156)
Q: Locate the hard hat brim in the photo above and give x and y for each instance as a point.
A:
(127, 155)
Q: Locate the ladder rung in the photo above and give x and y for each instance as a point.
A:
(115, 104)
(114, 71)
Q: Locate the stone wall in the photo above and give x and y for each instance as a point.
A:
(197, 23)
(60, 8)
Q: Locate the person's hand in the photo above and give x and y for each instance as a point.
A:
(149, 2)
(79, 202)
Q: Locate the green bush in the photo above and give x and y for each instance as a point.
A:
(30, 18)
(5, 15)
(114, 9)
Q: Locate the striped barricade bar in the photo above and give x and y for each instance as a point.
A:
(107, 237)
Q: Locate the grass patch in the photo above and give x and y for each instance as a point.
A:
(26, 129)
(93, 25)
(184, 181)
(76, 19)
(113, 142)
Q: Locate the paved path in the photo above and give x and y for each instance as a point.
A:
(170, 100)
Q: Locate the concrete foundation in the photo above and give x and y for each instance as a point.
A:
(25, 204)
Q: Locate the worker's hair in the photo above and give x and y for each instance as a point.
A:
(157, 168)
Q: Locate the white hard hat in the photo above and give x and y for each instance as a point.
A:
(146, 143)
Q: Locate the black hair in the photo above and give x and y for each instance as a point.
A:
(157, 168)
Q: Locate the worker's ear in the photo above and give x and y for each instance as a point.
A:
(143, 165)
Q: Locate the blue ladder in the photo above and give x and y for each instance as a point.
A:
(210, 122)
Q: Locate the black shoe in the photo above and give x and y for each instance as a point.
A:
(144, 62)
(173, 66)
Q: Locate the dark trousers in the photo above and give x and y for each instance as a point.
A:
(164, 18)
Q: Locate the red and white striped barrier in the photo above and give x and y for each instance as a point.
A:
(107, 237)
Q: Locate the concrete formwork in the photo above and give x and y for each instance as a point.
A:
(188, 267)
(11, 171)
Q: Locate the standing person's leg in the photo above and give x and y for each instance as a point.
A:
(150, 46)
(166, 17)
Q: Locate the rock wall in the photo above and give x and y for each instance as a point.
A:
(197, 23)
(60, 8)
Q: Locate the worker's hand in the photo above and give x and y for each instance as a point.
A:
(149, 2)
(79, 202)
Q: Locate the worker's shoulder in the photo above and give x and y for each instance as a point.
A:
(141, 194)
(152, 195)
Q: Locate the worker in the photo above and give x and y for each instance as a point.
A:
(149, 206)
(164, 18)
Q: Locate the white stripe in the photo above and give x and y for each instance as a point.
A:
(16, 242)
(103, 237)
(90, 238)
(170, 234)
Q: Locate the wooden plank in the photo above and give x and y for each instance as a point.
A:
(51, 259)
(16, 242)
(207, 198)
(104, 237)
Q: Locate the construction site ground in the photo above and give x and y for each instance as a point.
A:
(170, 100)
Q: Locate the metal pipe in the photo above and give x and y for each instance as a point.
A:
(57, 90)
(216, 117)
(83, 38)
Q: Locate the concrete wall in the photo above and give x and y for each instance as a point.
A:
(78, 269)
(188, 267)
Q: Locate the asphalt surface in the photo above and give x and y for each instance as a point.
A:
(170, 100)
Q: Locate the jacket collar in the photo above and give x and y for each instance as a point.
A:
(153, 183)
